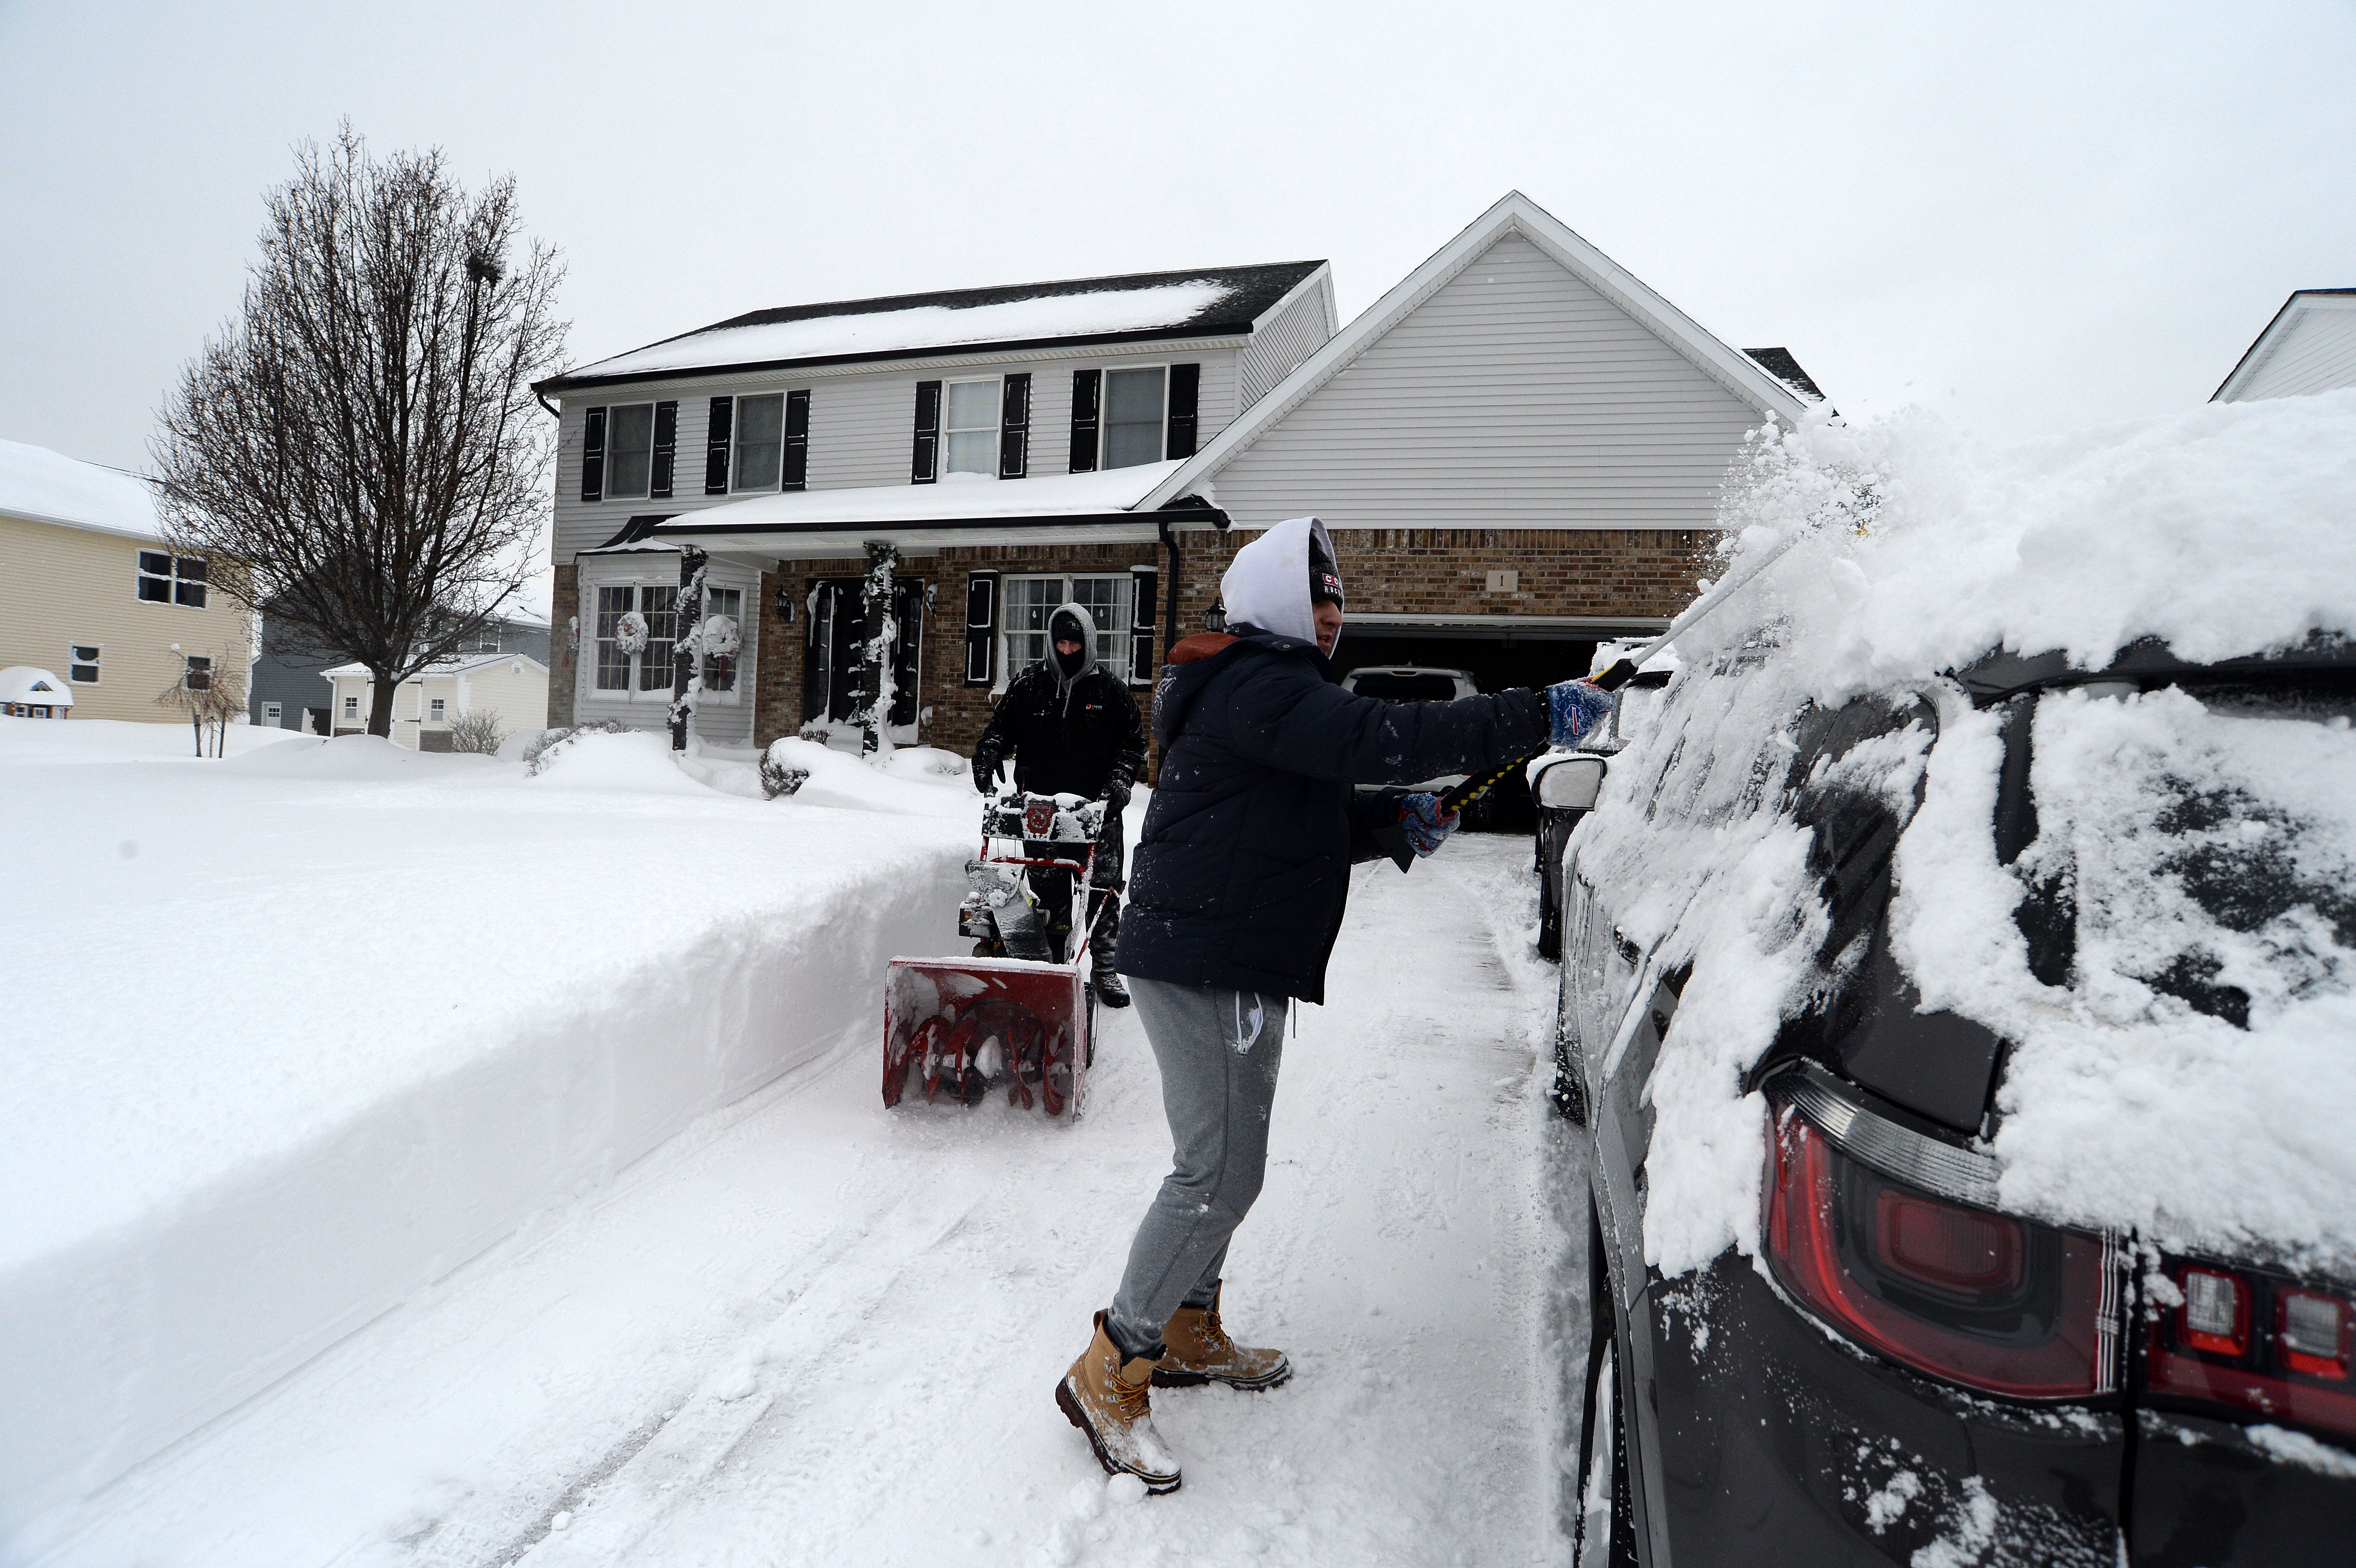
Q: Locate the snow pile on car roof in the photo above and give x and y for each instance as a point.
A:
(2193, 1080)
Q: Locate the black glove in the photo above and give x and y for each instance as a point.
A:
(986, 763)
(1116, 790)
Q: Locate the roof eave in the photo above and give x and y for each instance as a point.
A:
(569, 383)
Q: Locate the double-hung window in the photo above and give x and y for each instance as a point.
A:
(81, 669)
(352, 708)
(760, 437)
(970, 427)
(1134, 404)
(619, 671)
(172, 580)
(437, 710)
(629, 450)
(1030, 600)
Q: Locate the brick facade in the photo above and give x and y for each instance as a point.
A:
(1420, 571)
(563, 647)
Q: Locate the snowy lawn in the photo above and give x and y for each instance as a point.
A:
(317, 1023)
(813, 1332)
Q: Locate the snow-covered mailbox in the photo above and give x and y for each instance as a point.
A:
(28, 692)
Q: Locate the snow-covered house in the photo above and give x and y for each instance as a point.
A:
(2308, 347)
(28, 692)
(287, 693)
(510, 687)
(1518, 449)
(93, 591)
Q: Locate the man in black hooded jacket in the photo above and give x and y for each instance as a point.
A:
(1072, 728)
(1243, 870)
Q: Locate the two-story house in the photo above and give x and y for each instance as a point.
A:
(90, 593)
(1518, 449)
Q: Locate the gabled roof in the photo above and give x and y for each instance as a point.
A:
(45, 487)
(1741, 375)
(2262, 349)
(1780, 364)
(1136, 307)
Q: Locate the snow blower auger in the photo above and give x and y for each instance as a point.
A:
(1018, 1013)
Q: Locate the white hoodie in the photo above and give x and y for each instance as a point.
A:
(1267, 582)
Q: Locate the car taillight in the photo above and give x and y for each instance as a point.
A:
(1987, 1300)
(2256, 1341)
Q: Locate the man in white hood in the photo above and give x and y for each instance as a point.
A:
(1237, 889)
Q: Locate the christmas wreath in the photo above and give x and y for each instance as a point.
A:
(720, 636)
(630, 633)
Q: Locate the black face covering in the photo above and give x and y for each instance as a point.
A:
(1062, 628)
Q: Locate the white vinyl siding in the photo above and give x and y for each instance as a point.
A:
(861, 428)
(1515, 397)
(2314, 351)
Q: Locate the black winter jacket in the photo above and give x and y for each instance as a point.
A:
(1242, 872)
(1072, 741)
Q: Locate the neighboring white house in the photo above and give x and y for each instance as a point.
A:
(513, 688)
(2310, 346)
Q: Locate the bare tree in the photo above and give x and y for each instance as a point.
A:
(210, 701)
(477, 732)
(360, 449)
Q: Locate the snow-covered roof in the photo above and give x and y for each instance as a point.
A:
(1210, 300)
(2308, 347)
(25, 683)
(458, 664)
(45, 487)
(967, 511)
(1739, 373)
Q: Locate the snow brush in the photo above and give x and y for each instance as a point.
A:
(1392, 840)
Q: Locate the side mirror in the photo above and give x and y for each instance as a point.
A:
(1571, 785)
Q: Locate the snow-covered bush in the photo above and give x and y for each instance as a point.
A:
(542, 752)
(779, 776)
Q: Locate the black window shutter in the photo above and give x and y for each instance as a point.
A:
(1141, 583)
(980, 627)
(715, 449)
(1086, 387)
(1185, 391)
(665, 451)
(796, 475)
(928, 433)
(593, 455)
(1015, 428)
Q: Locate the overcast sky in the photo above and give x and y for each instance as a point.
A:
(2028, 217)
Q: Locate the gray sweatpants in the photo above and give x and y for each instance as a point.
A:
(1219, 1051)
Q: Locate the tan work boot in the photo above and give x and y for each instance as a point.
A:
(1108, 1400)
(1201, 1352)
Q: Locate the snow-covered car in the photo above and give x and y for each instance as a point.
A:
(1962, 1044)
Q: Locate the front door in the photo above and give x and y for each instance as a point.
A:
(831, 658)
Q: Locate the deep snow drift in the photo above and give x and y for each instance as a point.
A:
(2229, 530)
(317, 1023)
(812, 1331)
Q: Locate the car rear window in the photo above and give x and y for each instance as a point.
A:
(2210, 841)
(1406, 687)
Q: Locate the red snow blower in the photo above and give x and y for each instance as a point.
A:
(1018, 1013)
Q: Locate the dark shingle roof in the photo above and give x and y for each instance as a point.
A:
(1245, 293)
(1778, 363)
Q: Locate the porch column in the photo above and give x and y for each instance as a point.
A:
(876, 688)
(686, 652)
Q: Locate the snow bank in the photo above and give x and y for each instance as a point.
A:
(319, 1023)
(2226, 531)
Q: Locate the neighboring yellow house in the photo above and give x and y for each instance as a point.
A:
(513, 688)
(89, 593)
